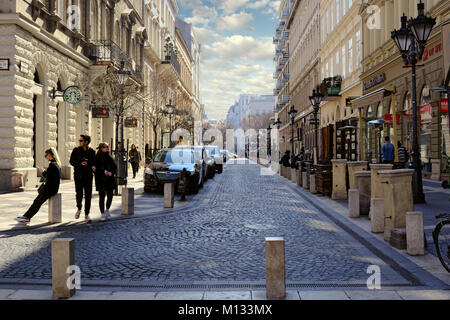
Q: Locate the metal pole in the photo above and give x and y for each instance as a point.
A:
(394, 124)
(361, 147)
(317, 138)
(416, 164)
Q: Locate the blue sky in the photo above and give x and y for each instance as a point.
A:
(237, 50)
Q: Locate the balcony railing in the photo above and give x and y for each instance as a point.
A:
(174, 62)
(276, 92)
(285, 54)
(285, 98)
(275, 40)
(286, 34)
(286, 76)
(285, 13)
(331, 86)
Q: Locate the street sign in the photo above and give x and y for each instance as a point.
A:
(72, 95)
(100, 112)
(130, 122)
(4, 64)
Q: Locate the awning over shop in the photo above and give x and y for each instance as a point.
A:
(369, 98)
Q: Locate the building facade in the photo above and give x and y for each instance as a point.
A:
(386, 84)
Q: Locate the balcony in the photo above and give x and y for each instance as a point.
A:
(285, 98)
(285, 13)
(281, 24)
(172, 60)
(275, 40)
(281, 84)
(286, 76)
(278, 51)
(286, 34)
(281, 43)
(330, 88)
(276, 74)
(285, 54)
(276, 92)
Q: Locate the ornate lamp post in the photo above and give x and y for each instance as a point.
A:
(292, 113)
(407, 39)
(122, 76)
(269, 141)
(170, 110)
(315, 100)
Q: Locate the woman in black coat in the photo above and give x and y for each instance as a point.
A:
(51, 186)
(105, 182)
(135, 158)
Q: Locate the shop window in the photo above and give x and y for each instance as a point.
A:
(425, 127)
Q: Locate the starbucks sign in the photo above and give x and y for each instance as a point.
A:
(72, 95)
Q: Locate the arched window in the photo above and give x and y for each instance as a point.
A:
(425, 97)
(93, 21)
(369, 112)
(380, 111)
(117, 33)
(36, 77)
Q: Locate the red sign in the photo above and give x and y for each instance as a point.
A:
(443, 105)
(423, 109)
(388, 118)
(431, 51)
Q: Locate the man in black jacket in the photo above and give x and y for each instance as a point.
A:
(82, 159)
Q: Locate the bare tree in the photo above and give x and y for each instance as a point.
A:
(256, 122)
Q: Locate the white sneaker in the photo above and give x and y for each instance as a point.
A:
(103, 218)
(108, 216)
(77, 215)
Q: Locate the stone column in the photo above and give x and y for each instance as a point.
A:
(299, 178)
(353, 203)
(293, 175)
(339, 179)
(398, 198)
(312, 183)
(376, 189)
(63, 256)
(377, 220)
(305, 183)
(415, 242)
(354, 166)
(435, 169)
(363, 185)
(128, 201)
(275, 268)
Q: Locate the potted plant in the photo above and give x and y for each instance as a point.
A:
(170, 49)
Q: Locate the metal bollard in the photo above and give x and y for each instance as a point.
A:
(55, 208)
(63, 256)
(275, 268)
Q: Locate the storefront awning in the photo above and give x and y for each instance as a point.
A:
(369, 98)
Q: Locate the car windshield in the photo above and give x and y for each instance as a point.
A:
(213, 150)
(178, 156)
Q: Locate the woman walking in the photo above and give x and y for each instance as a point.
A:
(49, 188)
(135, 158)
(105, 183)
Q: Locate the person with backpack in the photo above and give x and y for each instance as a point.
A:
(49, 188)
(105, 182)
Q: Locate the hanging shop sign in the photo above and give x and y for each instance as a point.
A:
(4, 64)
(130, 122)
(373, 82)
(443, 105)
(388, 119)
(100, 112)
(72, 95)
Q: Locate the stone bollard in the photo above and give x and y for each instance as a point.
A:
(305, 183)
(293, 175)
(312, 183)
(299, 178)
(377, 220)
(63, 256)
(363, 186)
(55, 209)
(398, 198)
(17, 183)
(128, 201)
(415, 240)
(339, 179)
(169, 193)
(376, 188)
(353, 167)
(353, 203)
(275, 268)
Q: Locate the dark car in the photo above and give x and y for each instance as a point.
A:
(167, 166)
(218, 158)
(202, 157)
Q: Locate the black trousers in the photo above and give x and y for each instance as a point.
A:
(84, 185)
(109, 196)
(37, 203)
(135, 166)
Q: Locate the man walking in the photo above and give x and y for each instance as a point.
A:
(388, 151)
(403, 154)
(82, 159)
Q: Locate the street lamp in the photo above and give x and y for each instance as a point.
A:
(407, 38)
(170, 110)
(292, 113)
(269, 141)
(315, 100)
(122, 76)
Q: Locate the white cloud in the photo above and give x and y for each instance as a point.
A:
(234, 22)
(259, 4)
(202, 15)
(231, 6)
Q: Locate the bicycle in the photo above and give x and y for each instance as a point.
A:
(441, 238)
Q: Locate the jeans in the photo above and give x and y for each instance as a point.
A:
(84, 184)
(101, 202)
(135, 166)
(37, 203)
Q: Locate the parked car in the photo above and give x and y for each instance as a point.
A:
(201, 155)
(211, 165)
(218, 158)
(167, 166)
(227, 155)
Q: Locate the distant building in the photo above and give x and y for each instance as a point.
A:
(247, 105)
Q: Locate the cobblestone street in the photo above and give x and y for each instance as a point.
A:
(222, 239)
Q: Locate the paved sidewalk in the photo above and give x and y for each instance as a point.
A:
(15, 204)
(102, 294)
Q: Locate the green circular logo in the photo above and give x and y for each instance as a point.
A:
(72, 95)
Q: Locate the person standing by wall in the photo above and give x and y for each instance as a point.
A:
(134, 159)
(387, 151)
(105, 182)
(403, 154)
(82, 159)
(51, 186)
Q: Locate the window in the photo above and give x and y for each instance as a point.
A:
(326, 22)
(350, 56)
(331, 68)
(61, 11)
(326, 68)
(337, 62)
(343, 61)
(343, 7)
(337, 11)
(331, 17)
(358, 49)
